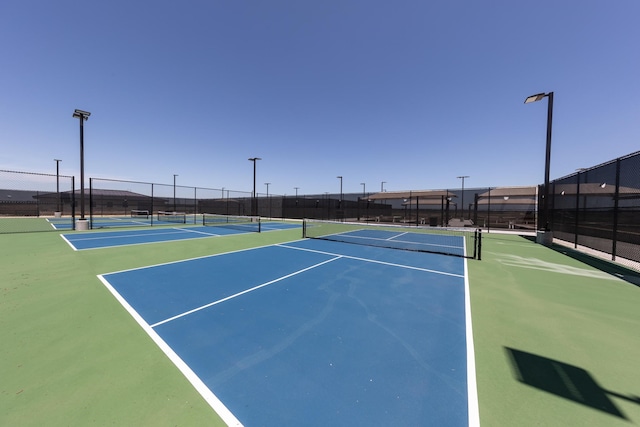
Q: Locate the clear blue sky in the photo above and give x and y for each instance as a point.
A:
(410, 92)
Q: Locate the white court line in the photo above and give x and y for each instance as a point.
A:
(397, 235)
(143, 233)
(213, 401)
(243, 292)
(372, 261)
(190, 259)
(401, 241)
(142, 243)
(473, 410)
(68, 242)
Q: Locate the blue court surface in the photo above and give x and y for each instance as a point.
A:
(100, 239)
(315, 333)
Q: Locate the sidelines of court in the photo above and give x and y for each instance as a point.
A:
(211, 398)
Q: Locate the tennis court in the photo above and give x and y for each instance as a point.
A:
(555, 333)
(314, 332)
(107, 239)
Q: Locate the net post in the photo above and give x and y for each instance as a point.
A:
(304, 228)
(479, 244)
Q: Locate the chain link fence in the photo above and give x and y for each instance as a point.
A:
(36, 202)
(596, 208)
(599, 207)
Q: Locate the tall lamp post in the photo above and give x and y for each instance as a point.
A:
(82, 115)
(364, 186)
(544, 218)
(174, 191)
(57, 184)
(462, 201)
(254, 206)
(340, 201)
(268, 200)
(382, 186)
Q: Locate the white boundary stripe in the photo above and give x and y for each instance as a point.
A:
(391, 239)
(205, 235)
(191, 259)
(243, 292)
(397, 235)
(284, 245)
(204, 391)
(473, 409)
(68, 242)
(143, 233)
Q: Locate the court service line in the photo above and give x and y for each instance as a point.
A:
(397, 235)
(372, 261)
(440, 245)
(244, 292)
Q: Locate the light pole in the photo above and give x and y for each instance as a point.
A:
(382, 186)
(254, 207)
(544, 218)
(82, 115)
(268, 199)
(462, 201)
(174, 191)
(340, 201)
(57, 183)
(363, 197)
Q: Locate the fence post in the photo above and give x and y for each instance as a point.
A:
(616, 197)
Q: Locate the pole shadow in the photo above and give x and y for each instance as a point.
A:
(564, 380)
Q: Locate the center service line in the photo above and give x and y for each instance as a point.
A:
(243, 292)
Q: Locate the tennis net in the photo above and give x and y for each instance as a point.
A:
(170, 216)
(236, 222)
(139, 213)
(448, 241)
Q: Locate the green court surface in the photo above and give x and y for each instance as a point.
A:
(556, 339)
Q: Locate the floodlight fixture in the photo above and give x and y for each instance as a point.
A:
(534, 98)
(81, 114)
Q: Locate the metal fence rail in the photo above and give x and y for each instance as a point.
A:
(599, 208)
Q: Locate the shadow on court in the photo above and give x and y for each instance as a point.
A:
(563, 380)
(617, 270)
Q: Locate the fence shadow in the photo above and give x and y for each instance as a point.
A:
(609, 267)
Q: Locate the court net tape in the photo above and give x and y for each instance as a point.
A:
(448, 241)
(236, 222)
